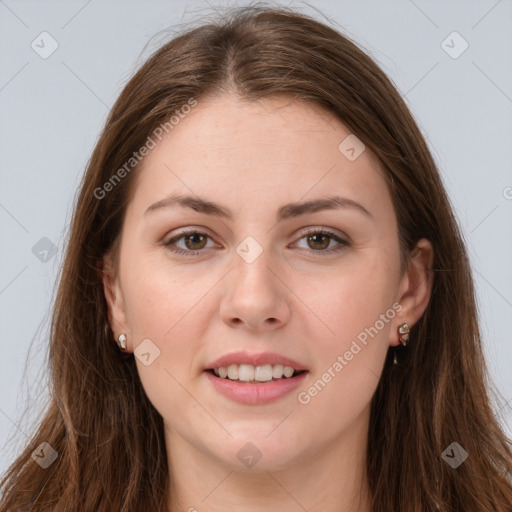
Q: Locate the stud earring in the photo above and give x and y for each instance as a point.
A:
(403, 337)
(121, 341)
(403, 334)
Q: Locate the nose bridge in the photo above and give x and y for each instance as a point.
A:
(252, 264)
(254, 294)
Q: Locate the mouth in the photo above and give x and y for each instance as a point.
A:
(258, 385)
(255, 378)
(250, 374)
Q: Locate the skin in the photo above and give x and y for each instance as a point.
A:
(253, 158)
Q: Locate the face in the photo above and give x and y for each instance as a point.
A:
(317, 286)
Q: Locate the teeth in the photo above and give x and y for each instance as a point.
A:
(263, 373)
(232, 371)
(277, 371)
(245, 372)
(288, 371)
(248, 372)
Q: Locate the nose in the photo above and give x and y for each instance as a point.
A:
(255, 295)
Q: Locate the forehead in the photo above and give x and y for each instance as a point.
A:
(250, 154)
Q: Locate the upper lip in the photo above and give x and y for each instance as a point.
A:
(256, 359)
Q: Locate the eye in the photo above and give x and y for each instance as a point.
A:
(194, 241)
(320, 239)
(317, 239)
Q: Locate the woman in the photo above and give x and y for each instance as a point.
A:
(256, 309)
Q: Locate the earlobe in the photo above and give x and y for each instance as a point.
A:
(416, 286)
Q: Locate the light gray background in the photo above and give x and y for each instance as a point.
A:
(52, 111)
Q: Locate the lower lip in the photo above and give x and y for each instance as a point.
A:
(256, 394)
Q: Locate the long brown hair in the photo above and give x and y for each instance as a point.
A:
(109, 438)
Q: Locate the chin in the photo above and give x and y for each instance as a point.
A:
(252, 451)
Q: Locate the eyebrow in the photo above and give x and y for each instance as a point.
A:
(286, 211)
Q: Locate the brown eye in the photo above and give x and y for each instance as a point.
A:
(195, 241)
(319, 240)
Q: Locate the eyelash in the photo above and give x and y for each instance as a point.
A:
(330, 234)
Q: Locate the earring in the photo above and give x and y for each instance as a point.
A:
(403, 334)
(122, 342)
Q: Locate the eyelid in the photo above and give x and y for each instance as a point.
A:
(317, 229)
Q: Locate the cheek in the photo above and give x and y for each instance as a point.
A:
(356, 305)
(160, 298)
(356, 309)
(167, 310)
(350, 299)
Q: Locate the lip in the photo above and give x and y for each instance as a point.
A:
(243, 357)
(255, 394)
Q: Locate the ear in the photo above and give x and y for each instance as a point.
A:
(114, 298)
(415, 287)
